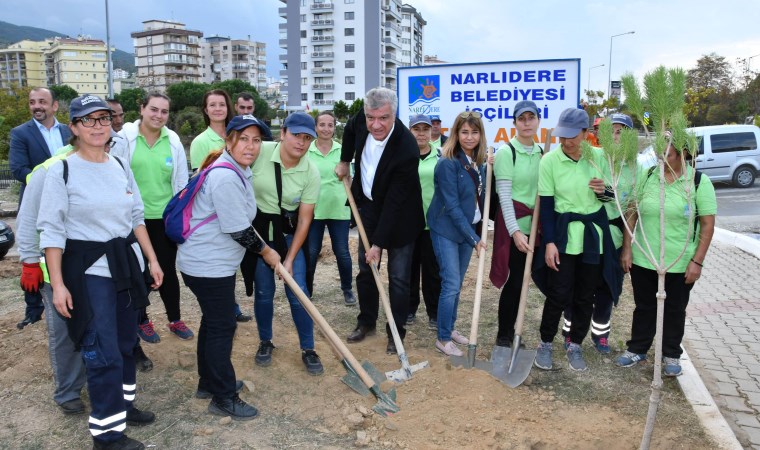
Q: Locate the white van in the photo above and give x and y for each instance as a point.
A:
(726, 153)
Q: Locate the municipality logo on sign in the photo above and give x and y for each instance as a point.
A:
(425, 94)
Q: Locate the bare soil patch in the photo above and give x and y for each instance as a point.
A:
(441, 407)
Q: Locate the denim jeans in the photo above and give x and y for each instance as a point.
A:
(338, 230)
(216, 297)
(453, 259)
(263, 300)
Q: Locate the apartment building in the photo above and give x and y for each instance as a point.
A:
(338, 50)
(23, 64)
(412, 25)
(166, 53)
(80, 63)
(223, 58)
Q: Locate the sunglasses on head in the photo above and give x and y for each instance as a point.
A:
(468, 114)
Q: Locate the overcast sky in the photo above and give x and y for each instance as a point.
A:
(671, 33)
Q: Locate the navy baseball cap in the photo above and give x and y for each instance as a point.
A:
(525, 106)
(571, 122)
(300, 122)
(239, 123)
(419, 118)
(434, 117)
(622, 119)
(87, 104)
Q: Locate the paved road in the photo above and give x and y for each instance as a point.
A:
(738, 209)
(722, 337)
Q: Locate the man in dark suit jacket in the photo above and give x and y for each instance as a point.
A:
(32, 143)
(387, 190)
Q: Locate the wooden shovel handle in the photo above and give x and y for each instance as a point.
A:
(481, 255)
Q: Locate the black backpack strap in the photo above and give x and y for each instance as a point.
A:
(514, 153)
(65, 171)
(278, 182)
(697, 179)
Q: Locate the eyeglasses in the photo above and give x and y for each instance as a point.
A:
(89, 122)
(468, 114)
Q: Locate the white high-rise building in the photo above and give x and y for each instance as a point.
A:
(223, 59)
(338, 50)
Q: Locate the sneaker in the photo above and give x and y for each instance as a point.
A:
(234, 407)
(544, 356)
(601, 345)
(433, 324)
(142, 362)
(410, 319)
(264, 354)
(180, 330)
(124, 443)
(240, 317)
(349, 298)
(629, 359)
(672, 367)
(147, 333)
(137, 418)
(204, 394)
(458, 338)
(575, 358)
(312, 362)
(28, 320)
(567, 342)
(448, 349)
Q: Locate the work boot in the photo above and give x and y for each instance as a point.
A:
(359, 333)
(138, 418)
(28, 320)
(73, 406)
(233, 407)
(124, 443)
(348, 298)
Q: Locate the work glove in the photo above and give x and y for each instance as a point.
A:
(31, 277)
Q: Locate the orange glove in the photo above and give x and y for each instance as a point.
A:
(31, 277)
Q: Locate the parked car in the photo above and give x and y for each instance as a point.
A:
(726, 153)
(6, 239)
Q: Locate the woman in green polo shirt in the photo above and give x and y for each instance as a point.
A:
(424, 263)
(516, 173)
(331, 210)
(286, 185)
(217, 113)
(685, 248)
(157, 158)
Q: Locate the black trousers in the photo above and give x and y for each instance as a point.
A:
(216, 297)
(166, 252)
(644, 324)
(424, 263)
(399, 273)
(574, 284)
(509, 300)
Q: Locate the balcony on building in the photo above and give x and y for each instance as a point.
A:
(393, 26)
(323, 38)
(321, 6)
(324, 101)
(322, 55)
(328, 70)
(283, 58)
(283, 12)
(392, 11)
(322, 23)
(323, 87)
(390, 73)
(392, 42)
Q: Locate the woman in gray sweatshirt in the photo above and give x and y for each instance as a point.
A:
(92, 209)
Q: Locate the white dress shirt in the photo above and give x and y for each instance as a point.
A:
(373, 151)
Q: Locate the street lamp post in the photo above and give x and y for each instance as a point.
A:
(108, 52)
(588, 88)
(609, 72)
(749, 60)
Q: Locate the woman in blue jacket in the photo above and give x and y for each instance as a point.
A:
(453, 216)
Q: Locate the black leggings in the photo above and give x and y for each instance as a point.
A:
(166, 252)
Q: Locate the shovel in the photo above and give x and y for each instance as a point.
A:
(406, 370)
(358, 377)
(513, 364)
(469, 361)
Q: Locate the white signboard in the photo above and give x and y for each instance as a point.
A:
(492, 88)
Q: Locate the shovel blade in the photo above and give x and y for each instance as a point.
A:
(386, 403)
(403, 374)
(512, 369)
(352, 380)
